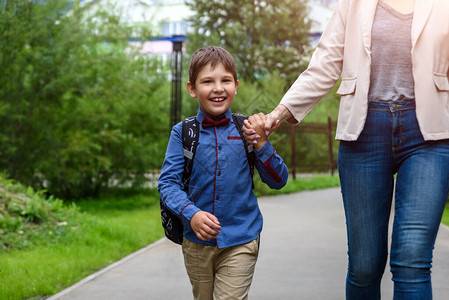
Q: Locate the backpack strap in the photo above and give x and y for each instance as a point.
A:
(171, 222)
(190, 137)
(251, 156)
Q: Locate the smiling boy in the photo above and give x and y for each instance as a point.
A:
(220, 213)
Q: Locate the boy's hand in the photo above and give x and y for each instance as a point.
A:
(273, 121)
(256, 123)
(205, 225)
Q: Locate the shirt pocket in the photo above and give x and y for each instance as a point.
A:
(347, 86)
(235, 147)
(441, 82)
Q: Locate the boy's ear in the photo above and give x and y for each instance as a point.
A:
(191, 89)
(236, 85)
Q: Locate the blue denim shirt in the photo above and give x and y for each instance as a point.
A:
(220, 183)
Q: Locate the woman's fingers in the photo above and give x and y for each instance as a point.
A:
(272, 123)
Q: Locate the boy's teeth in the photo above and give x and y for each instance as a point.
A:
(217, 99)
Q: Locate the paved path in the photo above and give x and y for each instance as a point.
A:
(302, 256)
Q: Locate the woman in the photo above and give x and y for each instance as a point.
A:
(393, 59)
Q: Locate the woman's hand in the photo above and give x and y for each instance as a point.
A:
(272, 122)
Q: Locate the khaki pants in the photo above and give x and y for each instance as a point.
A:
(220, 274)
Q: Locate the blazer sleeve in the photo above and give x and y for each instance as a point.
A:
(324, 69)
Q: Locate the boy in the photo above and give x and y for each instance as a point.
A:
(221, 217)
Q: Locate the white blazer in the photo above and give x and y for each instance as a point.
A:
(344, 51)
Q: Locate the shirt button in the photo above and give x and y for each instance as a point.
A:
(219, 147)
(219, 173)
(217, 197)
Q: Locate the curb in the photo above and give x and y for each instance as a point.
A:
(104, 270)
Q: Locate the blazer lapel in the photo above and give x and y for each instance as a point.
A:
(368, 13)
(420, 16)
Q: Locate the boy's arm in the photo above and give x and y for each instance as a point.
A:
(170, 185)
(269, 164)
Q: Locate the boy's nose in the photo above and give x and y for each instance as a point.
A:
(218, 88)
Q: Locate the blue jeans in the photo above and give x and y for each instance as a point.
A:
(390, 144)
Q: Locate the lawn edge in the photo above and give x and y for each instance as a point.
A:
(104, 270)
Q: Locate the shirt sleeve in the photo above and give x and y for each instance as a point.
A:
(170, 185)
(271, 167)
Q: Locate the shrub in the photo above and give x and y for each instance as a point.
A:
(79, 107)
(26, 216)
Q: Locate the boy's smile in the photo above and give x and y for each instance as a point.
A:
(215, 89)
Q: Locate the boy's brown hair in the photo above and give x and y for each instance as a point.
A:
(213, 55)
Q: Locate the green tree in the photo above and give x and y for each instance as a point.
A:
(263, 36)
(270, 43)
(78, 107)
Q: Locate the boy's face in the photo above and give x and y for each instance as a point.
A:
(215, 90)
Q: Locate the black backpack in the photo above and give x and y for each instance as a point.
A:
(171, 222)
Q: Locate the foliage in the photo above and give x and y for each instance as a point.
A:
(26, 216)
(269, 42)
(108, 229)
(261, 96)
(79, 108)
(263, 36)
(301, 184)
(445, 219)
(311, 149)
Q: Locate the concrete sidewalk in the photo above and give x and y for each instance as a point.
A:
(302, 256)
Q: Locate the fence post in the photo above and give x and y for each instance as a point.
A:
(331, 155)
(292, 145)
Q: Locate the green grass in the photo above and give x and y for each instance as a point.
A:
(300, 184)
(445, 219)
(107, 230)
